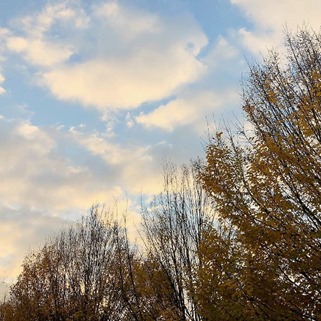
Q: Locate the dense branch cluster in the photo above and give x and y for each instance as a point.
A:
(236, 238)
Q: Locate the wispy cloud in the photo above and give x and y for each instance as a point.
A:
(36, 172)
(2, 79)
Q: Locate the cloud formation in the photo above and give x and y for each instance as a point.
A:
(123, 58)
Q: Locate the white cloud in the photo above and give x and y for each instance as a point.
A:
(35, 174)
(270, 18)
(38, 51)
(40, 23)
(3, 34)
(130, 23)
(189, 109)
(136, 167)
(124, 82)
(122, 59)
(222, 51)
(275, 14)
(2, 90)
(112, 154)
(33, 39)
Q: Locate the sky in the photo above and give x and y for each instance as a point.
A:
(95, 95)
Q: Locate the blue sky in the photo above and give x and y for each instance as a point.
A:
(95, 94)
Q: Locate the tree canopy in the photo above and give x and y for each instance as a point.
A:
(269, 186)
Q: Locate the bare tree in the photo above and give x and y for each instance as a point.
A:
(174, 225)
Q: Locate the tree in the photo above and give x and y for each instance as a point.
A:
(93, 272)
(269, 187)
(73, 277)
(174, 224)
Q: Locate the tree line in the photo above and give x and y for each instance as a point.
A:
(236, 237)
